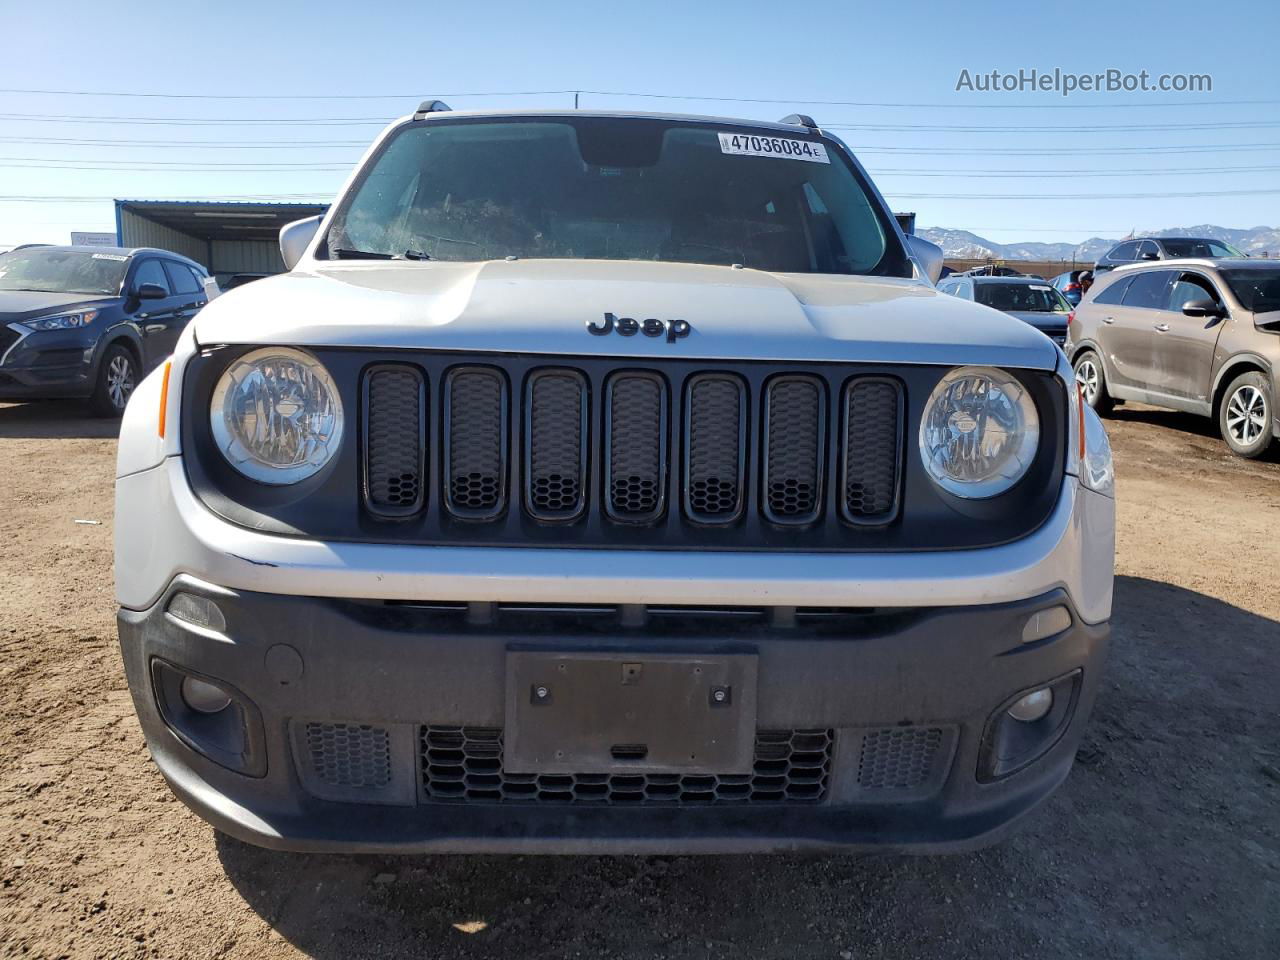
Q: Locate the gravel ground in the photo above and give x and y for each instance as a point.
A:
(1164, 842)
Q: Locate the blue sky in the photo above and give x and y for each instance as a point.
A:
(798, 53)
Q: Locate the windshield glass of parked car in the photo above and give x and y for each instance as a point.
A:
(1021, 297)
(617, 189)
(1257, 290)
(1199, 248)
(51, 270)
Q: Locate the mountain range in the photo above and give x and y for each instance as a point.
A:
(1254, 241)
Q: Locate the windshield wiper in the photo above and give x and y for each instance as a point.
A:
(345, 253)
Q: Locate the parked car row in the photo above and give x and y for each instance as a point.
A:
(90, 322)
(1200, 335)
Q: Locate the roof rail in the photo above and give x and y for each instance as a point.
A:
(800, 120)
(430, 106)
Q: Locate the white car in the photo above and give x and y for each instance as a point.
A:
(611, 482)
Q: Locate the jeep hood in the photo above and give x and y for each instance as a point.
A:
(544, 306)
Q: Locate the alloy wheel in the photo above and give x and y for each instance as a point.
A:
(120, 382)
(1247, 415)
(1087, 377)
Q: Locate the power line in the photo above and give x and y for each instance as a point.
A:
(792, 101)
(841, 125)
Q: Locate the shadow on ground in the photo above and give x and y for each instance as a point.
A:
(55, 420)
(1163, 842)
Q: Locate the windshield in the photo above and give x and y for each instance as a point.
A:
(1200, 248)
(56, 270)
(1257, 290)
(1021, 297)
(616, 189)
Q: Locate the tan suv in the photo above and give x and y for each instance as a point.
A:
(1195, 335)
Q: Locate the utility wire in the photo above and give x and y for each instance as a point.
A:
(793, 101)
(1020, 129)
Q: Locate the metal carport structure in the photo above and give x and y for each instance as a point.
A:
(225, 236)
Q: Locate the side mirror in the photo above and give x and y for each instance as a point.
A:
(1201, 308)
(928, 256)
(295, 238)
(151, 291)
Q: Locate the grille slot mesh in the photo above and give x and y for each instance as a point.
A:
(715, 448)
(871, 450)
(477, 442)
(464, 765)
(395, 440)
(897, 758)
(794, 448)
(556, 438)
(637, 446)
(350, 755)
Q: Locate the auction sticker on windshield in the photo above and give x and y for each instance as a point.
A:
(752, 145)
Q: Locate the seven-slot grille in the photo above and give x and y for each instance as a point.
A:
(632, 447)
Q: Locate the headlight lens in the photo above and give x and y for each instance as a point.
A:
(979, 432)
(63, 321)
(277, 415)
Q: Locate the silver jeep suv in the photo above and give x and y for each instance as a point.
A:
(603, 482)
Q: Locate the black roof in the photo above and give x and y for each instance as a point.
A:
(119, 251)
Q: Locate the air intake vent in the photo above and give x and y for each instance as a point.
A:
(464, 765)
(636, 447)
(872, 450)
(898, 758)
(349, 754)
(794, 442)
(475, 442)
(715, 447)
(555, 444)
(395, 440)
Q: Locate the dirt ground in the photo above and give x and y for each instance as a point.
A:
(1164, 842)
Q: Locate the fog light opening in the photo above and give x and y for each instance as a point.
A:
(1034, 706)
(204, 697)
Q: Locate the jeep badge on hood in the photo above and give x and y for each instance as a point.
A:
(628, 327)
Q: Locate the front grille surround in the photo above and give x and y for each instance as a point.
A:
(331, 506)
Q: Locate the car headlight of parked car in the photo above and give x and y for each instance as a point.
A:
(979, 432)
(276, 415)
(63, 321)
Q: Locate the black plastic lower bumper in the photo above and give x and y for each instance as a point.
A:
(349, 720)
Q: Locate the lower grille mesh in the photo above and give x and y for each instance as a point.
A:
(897, 758)
(349, 754)
(464, 765)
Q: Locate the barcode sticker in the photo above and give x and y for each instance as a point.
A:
(751, 145)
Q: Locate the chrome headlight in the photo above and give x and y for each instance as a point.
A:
(63, 321)
(979, 432)
(276, 415)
